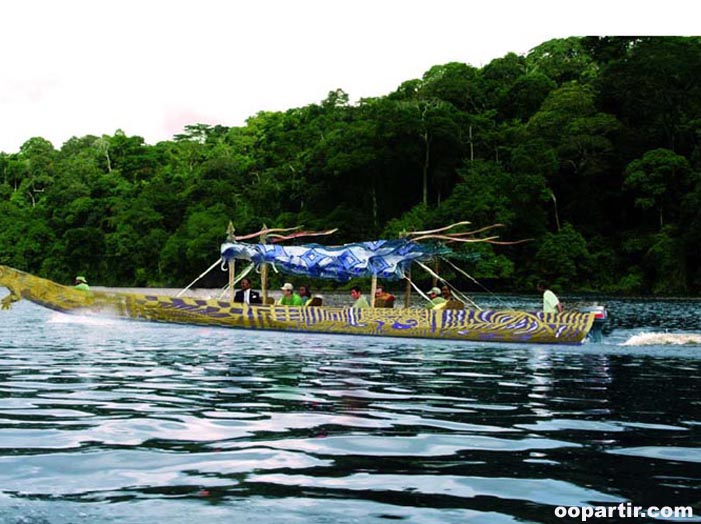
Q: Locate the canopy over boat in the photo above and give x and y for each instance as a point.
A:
(384, 259)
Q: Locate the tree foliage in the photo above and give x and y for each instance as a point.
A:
(590, 147)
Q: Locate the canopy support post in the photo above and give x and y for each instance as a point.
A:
(231, 237)
(264, 273)
(407, 292)
(373, 290)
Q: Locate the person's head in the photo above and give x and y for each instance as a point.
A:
(304, 291)
(355, 292)
(445, 290)
(80, 280)
(433, 292)
(379, 291)
(541, 286)
(245, 283)
(287, 289)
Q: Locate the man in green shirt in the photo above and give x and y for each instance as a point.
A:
(437, 301)
(289, 297)
(360, 300)
(81, 283)
(551, 304)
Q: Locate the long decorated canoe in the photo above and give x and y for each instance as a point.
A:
(453, 324)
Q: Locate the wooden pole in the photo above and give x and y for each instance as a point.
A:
(373, 290)
(231, 237)
(407, 293)
(264, 273)
(436, 270)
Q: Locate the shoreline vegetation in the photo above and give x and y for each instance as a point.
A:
(589, 146)
(342, 296)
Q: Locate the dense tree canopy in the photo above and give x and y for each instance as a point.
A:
(589, 146)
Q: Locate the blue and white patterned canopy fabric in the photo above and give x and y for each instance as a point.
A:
(387, 259)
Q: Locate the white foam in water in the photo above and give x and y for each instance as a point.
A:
(62, 318)
(659, 339)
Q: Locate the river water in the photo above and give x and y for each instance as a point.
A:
(126, 422)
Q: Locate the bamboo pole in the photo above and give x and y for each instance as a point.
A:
(407, 293)
(231, 237)
(264, 272)
(373, 290)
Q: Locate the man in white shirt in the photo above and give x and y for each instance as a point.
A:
(246, 294)
(551, 304)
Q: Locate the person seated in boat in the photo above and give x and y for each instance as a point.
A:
(450, 301)
(81, 283)
(436, 300)
(305, 294)
(453, 304)
(383, 298)
(360, 301)
(316, 301)
(289, 297)
(551, 304)
(246, 294)
(447, 294)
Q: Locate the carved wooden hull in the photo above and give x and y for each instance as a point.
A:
(470, 325)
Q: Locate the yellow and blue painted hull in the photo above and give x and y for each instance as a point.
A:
(451, 324)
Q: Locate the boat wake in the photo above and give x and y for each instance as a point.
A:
(62, 318)
(663, 339)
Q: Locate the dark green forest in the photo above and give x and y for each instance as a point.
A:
(591, 147)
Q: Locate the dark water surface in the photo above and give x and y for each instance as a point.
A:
(124, 422)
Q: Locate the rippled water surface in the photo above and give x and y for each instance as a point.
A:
(109, 421)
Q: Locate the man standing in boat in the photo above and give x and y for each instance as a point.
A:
(551, 304)
(246, 294)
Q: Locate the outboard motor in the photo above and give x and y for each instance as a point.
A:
(600, 317)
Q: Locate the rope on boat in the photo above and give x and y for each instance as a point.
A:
(456, 268)
(418, 290)
(456, 292)
(239, 278)
(198, 278)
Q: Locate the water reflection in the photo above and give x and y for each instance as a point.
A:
(165, 420)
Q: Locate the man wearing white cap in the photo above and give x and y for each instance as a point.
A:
(81, 283)
(437, 301)
(289, 297)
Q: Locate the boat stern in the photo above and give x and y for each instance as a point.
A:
(596, 333)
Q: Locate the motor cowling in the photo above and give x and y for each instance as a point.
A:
(600, 318)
